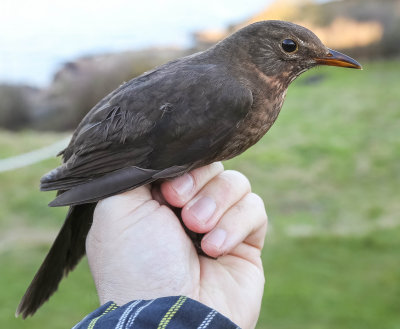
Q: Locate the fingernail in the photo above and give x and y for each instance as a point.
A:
(216, 238)
(203, 209)
(183, 184)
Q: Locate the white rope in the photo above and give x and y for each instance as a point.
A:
(33, 157)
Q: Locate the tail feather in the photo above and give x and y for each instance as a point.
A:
(64, 255)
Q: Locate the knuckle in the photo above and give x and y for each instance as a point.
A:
(257, 203)
(204, 174)
(235, 178)
(225, 181)
(256, 200)
(216, 167)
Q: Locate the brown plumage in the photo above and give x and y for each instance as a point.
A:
(190, 112)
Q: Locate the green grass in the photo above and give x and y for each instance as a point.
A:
(333, 282)
(329, 173)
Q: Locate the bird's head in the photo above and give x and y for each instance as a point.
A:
(278, 47)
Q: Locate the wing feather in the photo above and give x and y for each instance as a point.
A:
(116, 182)
(173, 118)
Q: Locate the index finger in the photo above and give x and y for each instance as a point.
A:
(178, 191)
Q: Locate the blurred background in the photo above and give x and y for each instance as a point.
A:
(328, 170)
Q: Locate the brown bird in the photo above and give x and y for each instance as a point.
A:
(188, 113)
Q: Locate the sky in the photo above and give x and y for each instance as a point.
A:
(37, 36)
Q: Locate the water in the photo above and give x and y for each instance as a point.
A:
(36, 37)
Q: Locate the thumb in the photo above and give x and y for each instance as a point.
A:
(118, 206)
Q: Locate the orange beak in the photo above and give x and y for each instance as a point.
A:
(334, 58)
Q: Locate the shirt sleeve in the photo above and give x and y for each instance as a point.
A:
(177, 312)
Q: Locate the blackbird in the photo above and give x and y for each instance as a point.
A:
(190, 112)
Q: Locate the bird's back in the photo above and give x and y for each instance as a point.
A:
(180, 114)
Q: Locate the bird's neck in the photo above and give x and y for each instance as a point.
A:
(268, 97)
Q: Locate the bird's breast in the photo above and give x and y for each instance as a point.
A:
(254, 126)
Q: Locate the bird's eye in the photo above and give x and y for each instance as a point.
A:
(289, 45)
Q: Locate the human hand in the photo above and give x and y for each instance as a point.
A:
(138, 249)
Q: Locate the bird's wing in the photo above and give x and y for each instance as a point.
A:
(150, 129)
